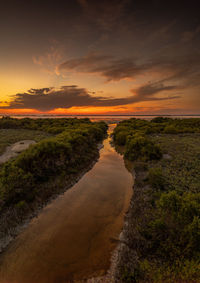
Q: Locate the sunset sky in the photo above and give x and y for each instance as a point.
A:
(100, 57)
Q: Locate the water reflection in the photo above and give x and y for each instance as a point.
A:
(72, 238)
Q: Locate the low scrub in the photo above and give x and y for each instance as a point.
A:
(156, 179)
(141, 147)
(164, 222)
(66, 153)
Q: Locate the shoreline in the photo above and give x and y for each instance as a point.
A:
(127, 255)
(133, 245)
(116, 258)
(123, 253)
(13, 221)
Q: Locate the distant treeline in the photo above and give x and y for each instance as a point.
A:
(22, 179)
(164, 231)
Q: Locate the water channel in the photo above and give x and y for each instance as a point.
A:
(73, 237)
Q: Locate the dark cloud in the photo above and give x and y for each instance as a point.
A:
(104, 65)
(152, 88)
(47, 99)
(184, 69)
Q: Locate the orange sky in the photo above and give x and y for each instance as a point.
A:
(138, 58)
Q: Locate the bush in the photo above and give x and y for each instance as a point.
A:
(174, 233)
(120, 139)
(156, 179)
(140, 147)
(15, 184)
(171, 129)
(67, 152)
(166, 238)
(45, 159)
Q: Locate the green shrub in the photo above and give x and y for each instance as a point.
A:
(171, 129)
(140, 147)
(120, 139)
(167, 236)
(156, 179)
(15, 184)
(174, 233)
(67, 152)
(55, 130)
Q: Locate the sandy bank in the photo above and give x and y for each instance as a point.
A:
(14, 149)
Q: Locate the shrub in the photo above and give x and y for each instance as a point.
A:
(140, 147)
(174, 233)
(15, 184)
(156, 179)
(67, 152)
(120, 138)
(171, 129)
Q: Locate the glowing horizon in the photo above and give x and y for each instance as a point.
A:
(134, 58)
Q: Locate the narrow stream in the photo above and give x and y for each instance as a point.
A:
(73, 237)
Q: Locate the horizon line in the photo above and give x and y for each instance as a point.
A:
(98, 115)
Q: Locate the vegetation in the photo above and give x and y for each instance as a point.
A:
(127, 129)
(52, 126)
(140, 147)
(10, 136)
(22, 179)
(164, 220)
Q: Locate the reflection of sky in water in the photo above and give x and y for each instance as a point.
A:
(73, 236)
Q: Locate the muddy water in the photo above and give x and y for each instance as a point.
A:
(73, 237)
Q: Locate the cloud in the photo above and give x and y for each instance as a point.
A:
(47, 99)
(184, 69)
(104, 65)
(50, 59)
(150, 89)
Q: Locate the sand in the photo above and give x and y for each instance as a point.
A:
(14, 149)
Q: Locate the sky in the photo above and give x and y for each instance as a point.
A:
(100, 57)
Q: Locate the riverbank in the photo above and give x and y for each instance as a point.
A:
(15, 219)
(161, 235)
(149, 247)
(45, 170)
(131, 241)
(73, 237)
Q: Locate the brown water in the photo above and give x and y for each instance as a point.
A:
(73, 237)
